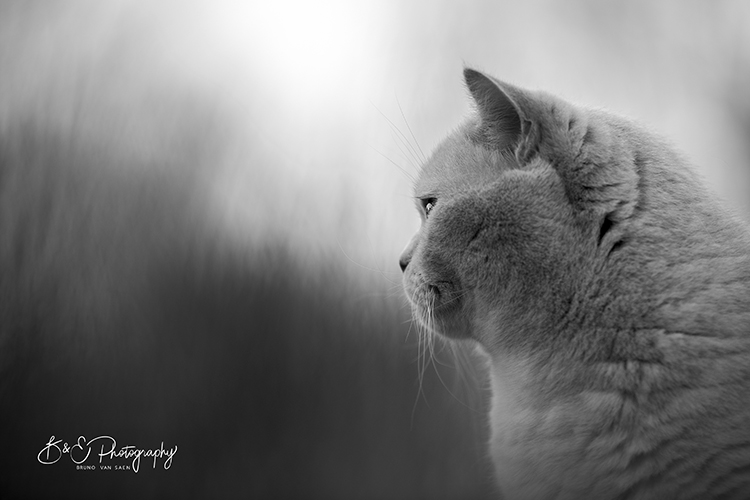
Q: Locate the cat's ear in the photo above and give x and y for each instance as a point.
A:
(501, 120)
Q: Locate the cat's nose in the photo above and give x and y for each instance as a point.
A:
(403, 262)
(405, 258)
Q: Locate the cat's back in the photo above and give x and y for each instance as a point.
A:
(652, 399)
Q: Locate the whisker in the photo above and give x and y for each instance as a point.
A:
(462, 366)
(378, 294)
(459, 295)
(367, 268)
(409, 155)
(424, 158)
(465, 368)
(395, 128)
(420, 365)
(409, 176)
(451, 393)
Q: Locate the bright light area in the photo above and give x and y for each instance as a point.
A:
(294, 91)
(311, 53)
(299, 79)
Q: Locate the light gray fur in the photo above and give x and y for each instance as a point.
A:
(610, 291)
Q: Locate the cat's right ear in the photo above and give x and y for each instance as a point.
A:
(500, 118)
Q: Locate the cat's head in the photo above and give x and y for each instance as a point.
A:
(536, 207)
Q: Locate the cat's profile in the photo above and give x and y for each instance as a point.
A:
(609, 289)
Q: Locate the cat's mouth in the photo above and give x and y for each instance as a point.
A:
(438, 307)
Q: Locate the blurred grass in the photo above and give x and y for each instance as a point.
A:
(275, 377)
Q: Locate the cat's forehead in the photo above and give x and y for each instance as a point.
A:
(457, 165)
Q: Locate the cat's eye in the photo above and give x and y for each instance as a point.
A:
(427, 205)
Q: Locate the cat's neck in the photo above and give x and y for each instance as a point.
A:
(538, 436)
(570, 428)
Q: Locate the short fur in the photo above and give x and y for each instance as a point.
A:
(610, 291)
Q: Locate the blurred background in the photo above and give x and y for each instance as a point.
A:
(202, 205)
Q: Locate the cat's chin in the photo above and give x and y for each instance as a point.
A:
(453, 328)
(440, 309)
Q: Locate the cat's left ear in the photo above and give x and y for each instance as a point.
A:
(502, 121)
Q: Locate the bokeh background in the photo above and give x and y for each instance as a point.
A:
(202, 204)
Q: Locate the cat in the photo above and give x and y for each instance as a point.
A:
(608, 289)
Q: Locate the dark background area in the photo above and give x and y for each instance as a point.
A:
(202, 206)
(274, 379)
